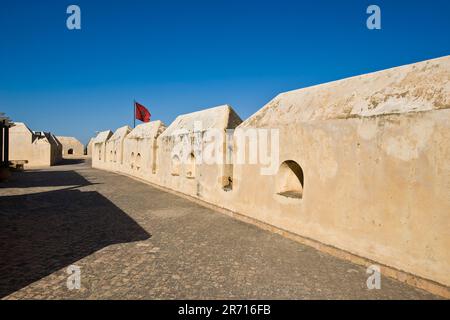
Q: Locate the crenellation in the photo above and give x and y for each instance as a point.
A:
(362, 162)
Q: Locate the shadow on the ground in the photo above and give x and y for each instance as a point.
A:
(41, 233)
(69, 161)
(45, 178)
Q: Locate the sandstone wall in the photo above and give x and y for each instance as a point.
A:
(183, 170)
(99, 149)
(71, 146)
(114, 149)
(377, 187)
(56, 147)
(39, 149)
(374, 153)
(89, 147)
(363, 166)
(140, 150)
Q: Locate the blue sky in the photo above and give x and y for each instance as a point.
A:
(181, 56)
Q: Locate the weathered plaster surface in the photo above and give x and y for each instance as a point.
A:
(208, 179)
(71, 143)
(423, 86)
(99, 149)
(39, 149)
(374, 151)
(114, 148)
(89, 147)
(140, 150)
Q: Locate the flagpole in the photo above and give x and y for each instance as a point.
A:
(134, 114)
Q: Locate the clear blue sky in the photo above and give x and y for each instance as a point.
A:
(181, 56)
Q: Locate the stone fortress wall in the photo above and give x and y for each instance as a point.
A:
(98, 145)
(363, 165)
(71, 146)
(140, 150)
(39, 149)
(88, 149)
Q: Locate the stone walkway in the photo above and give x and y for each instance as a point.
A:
(133, 241)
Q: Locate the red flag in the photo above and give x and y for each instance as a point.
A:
(141, 112)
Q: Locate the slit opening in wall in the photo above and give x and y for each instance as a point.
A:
(70, 151)
(154, 159)
(290, 180)
(132, 160)
(190, 166)
(175, 166)
(228, 184)
(227, 176)
(138, 161)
